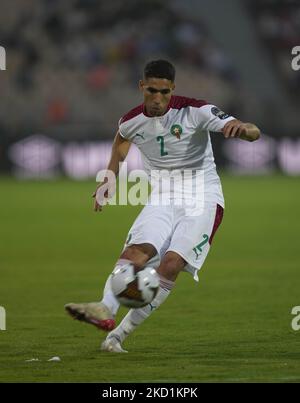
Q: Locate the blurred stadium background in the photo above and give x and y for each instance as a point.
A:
(73, 68)
(72, 72)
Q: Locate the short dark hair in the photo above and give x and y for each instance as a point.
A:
(159, 69)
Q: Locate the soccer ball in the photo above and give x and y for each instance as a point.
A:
(134, 287)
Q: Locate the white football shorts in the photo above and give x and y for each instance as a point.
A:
(172, 228)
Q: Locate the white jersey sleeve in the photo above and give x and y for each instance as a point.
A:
(121, 130)
(211, 118)
(131, 123)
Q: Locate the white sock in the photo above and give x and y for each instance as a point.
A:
(137, 316)
(108, 296)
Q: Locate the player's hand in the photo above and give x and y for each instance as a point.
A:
(234, 128)
(97, 206)
(104, 191)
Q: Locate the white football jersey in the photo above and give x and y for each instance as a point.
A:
(178, 140)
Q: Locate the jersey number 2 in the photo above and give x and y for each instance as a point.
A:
(161, 140)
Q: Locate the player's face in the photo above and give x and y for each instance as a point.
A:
(157, 94)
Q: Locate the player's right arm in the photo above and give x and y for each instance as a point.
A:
(119, 152)
(210, 117)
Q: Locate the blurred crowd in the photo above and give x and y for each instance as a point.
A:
(78, 61)
(278, 24)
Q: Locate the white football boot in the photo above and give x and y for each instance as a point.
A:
(112, 345)
(95, 313)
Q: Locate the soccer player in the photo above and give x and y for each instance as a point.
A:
(172, 133)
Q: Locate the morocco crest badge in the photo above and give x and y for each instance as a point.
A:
(176, 130)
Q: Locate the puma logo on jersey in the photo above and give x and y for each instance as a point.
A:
(140, 135)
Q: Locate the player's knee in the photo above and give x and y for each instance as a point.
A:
(171, 266)
(139, 254)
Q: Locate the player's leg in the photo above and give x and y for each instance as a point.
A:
(101, 314)
(138, 255)
(145, 239)
(148, 234)
(153, 227)
(187, 251)
(168, 270)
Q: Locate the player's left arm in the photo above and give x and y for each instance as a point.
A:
(244, 131)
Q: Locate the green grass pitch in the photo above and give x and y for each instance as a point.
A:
(233, 326)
